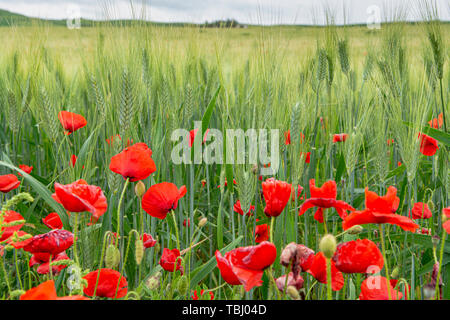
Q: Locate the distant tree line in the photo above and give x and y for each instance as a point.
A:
(229, 23)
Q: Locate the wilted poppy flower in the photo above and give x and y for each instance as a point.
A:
(428, 145)
(25, 168)
(192, 135)
(47, 291)
(291, 281)
(340, 137)
(357, 256)
(246, 265)
(420, 210)
(148, 240)
(262, 233)
(297, 257)
(161, 198)
(80, 197)
(376, 288)
(237, 208)
(109, 282)
(52, 242)
(323, 198)
(53, 221)
(8, 218)
(134, 163)
(380, 209)
(276, 194)
(438, 122)
(71, 121)
(195, 296)
(168, 259)
(8, 182)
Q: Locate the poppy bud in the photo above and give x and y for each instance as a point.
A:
(112, 257)
(356, 229)
(139, 189)
(139, 254)
(430, 205)
(202, 222)
(328, 245)
(395, 273)
(153, 282)
(293, 293)
(182, 285)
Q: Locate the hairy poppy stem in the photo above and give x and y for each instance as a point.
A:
(75, 231)
(176, 229)
(272, 220)
(329, 294)
(118, 210)
(383, 247)
(441, 256)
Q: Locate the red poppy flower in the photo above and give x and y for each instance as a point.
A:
(262, 233)
(161, 198)
(276, 194)
(8, 182)
(420, 210)
(168, 259)
(25, 168)
(192, 135)
(18, 239)
(47, 291)
(109, 282)
(148, 240)
(323, 198)
(52, 242)
(71, 121)
(73, 161)
(380, 210)
(53, 221)
(340, 137)
(390, 141)
(358, 255)
(246, 265)
(80, 197)
(446, 224)
(299, 192)
(237, 208)
(438, 122)
(44, 267)
(307, 156)
(318, 269)
(287, 137)
(396, 285)
(428, 145)
(424, 231)
(110, 141)
(195, 296)
(134, 162)
(376, 288)
(187, 221)
(9, 217)
(281, 282)
(226, 183)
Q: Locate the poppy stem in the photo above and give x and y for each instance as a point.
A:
(272, 220)
(329, 293)
(17, 269)
(383, 248)
(75, 231)
(441, 256)
(176, 229)
(118, 210)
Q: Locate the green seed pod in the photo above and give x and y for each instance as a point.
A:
(328, 245)
(182, 285)
(292, 292)
(112, 257)
(139, 254)
(17, 293)
(430, 205)
(357, 229)
(139, 189)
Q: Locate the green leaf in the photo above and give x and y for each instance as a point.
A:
(201, 272)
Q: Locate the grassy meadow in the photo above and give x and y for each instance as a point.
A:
(380, 87)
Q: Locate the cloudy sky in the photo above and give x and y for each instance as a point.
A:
(246, 11)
